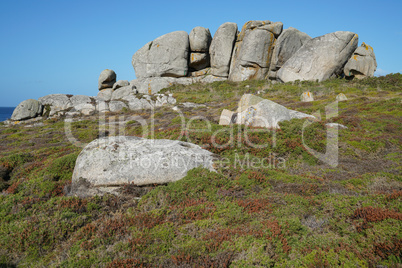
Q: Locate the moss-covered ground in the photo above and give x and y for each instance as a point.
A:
(271, 203)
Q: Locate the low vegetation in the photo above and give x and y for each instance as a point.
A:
(271, 203)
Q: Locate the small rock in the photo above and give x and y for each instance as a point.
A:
(341, 97)
(105, 94)
(306, 97)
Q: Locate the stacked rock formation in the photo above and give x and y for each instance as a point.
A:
(200, 39)
(261, 50)
(253, 50)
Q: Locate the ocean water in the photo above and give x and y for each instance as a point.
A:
(5, 113)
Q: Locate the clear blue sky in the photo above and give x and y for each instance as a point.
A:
(61, 46)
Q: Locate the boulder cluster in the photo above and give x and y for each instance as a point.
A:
(261, 50)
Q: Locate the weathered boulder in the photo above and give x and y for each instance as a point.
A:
(199, 61)
(221, 49)
(79, 99)
(362, 63)
(286, 45)
(120, 83)
(320, 58)
(102, 107)
(200, 39)
(252, 53)
(262, 113)
(105, 94)
(57, 102)
(307, 97)
(167, 55)
(27, 109)
(117, 106)
(85, 108)
(252, 56)
(107, 78)
(122, 92)
(152, 85)
(116, 161)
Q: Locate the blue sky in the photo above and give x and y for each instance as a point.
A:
(61, 46)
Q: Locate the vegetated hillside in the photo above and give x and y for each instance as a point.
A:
(266, 206)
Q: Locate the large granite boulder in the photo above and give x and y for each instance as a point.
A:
(107, 78)
(80, 99)
(362, 63)
(252, 53)
(57, 102)
(320, 58)
(116, 161)
(122, 92)
(200, 39)
(286, 45)
(167, 55)
(221, 49)
(258, 112)
(27, 109)
(105, 94)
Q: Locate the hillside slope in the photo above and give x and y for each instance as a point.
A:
(269, 205)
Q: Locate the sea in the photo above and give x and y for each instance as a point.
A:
(5, 113)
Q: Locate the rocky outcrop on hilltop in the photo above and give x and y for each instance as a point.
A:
(261, 50)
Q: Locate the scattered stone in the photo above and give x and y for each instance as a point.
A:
(166, 56)
(116, 161)
(105, 94)
(320, 58)
(341, 97)
(27, 109)
(306, 96)
(264, 113)
(120, 83)
(192, 105)
(107, 78)
(336, 125)
(362, 64)
(227, 118)
(200, 39)
(221, 49)
(285, 46)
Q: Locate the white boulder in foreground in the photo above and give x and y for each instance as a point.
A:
(258, 112)
(115, 161)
